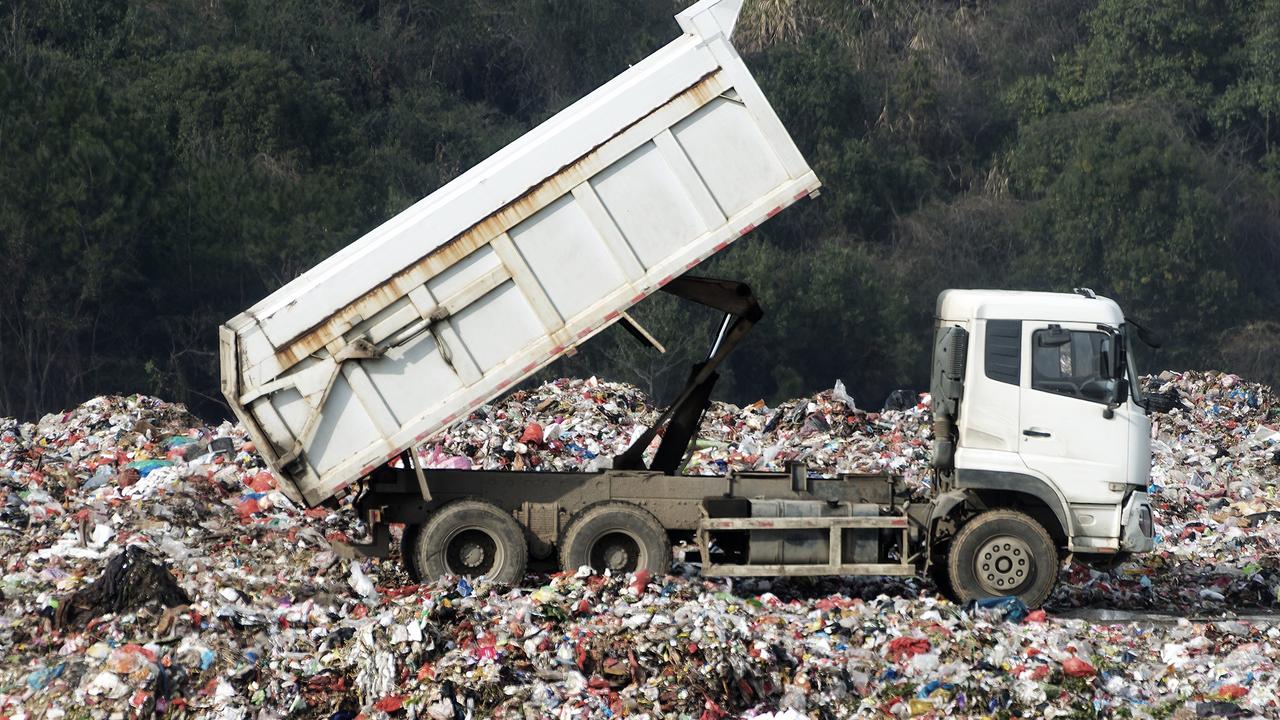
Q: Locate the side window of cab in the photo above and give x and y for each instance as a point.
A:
(1070, 363)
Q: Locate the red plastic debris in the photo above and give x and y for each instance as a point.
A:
(1232, 692)
(641, 581)
(247, 508)
(1075, 667)
(900, 648)
(262, 482)
(532, 433)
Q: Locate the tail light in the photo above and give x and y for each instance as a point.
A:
(1144, 521)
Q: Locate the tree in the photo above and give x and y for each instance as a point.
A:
(1119, 199)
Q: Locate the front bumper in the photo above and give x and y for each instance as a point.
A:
(1137, 525)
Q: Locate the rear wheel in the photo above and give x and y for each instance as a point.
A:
(470, 538)
(615, 536)
(408, 552)
(1003, 552)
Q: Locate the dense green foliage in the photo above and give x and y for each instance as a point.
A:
(164, 165)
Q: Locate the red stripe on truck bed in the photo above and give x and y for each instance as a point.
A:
(746, 230)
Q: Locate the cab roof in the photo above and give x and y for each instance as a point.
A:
(961, 305)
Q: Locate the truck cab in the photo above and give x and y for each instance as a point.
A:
(1038, 407)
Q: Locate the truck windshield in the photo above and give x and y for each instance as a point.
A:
(1136, 355)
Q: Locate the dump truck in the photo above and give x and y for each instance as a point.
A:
(1041, 439)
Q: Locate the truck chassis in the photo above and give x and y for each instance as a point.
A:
(545, 504)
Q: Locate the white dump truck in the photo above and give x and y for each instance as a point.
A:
(1041, 437)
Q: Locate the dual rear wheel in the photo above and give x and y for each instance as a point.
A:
(473, 538)
(468, 538)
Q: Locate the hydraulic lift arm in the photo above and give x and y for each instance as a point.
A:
(684, 415)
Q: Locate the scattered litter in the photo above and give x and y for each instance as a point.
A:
(191, 587)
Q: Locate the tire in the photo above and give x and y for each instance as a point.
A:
(470, 538)
(615, 536)
(1003, 552)
(407, 551)
(940, 574)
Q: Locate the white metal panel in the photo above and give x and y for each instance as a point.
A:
(464, 272)
(570, 259)
(647, 202)
(730, 153)
(501, 271)
(1082, 452)
(345, 428)
(414, 379)
(495, 327)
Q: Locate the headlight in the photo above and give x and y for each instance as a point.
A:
(1144, 521)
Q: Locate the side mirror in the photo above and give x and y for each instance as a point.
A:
(1116, 393)
(1111, 358)
(1120, 392)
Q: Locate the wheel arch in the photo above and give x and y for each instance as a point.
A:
(1032, 495)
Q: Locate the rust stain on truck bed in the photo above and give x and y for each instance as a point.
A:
(707, 88)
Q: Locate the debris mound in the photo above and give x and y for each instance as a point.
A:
(131, 580)
(262, 619)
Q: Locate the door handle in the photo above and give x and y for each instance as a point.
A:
(1032, 432)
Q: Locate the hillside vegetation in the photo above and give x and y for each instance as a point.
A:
(164, 165)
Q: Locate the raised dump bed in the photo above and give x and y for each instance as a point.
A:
(506, 268)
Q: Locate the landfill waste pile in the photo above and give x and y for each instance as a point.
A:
(151, 568)
(1214, 480)
(827, 432)
(558, 426)
(580, 424)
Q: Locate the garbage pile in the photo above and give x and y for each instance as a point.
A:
(1214, 481)
(581, 424)
(561, 425)
(827, 432)
(151, 568)
(150, 565)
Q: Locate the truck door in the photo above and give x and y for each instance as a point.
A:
(1066, 433)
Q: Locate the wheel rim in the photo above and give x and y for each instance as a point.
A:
(472, 551)
(616, 552)
(1003, 564)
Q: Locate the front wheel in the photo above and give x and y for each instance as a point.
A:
(1001, 553)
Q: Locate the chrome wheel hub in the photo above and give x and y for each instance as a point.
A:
(1003, 564)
